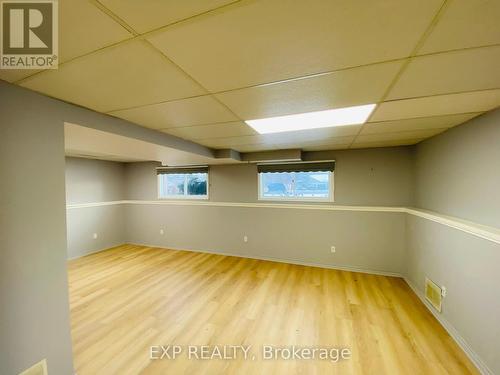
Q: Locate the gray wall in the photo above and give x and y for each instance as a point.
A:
(457, 173)
(140, 181)
(364, 240)
(374, 177)
(34, 320)
(468, 267)
(90, 181)
(372, 241)
(34, 313)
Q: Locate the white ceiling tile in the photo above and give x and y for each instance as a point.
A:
(457, 71)
(404, 142)
(229, 129)
(84, 28)
(465, 23)
(477, 101)
(184, 112)
(76, 38)
(128, 75)
(146, 15)
(422, 123)
(399, 136)
(344, 88)
(257, 42)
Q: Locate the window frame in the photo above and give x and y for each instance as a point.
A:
(330, 199)
(185, 196)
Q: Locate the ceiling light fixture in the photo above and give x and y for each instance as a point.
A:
(313, 120)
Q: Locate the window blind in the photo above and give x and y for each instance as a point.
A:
(297, 167)
(184, 170)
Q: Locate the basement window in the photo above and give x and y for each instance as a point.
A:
(296, 181)
(183, 183)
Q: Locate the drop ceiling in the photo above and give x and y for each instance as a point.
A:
(86, 142)
(198, 69)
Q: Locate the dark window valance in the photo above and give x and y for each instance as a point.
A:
(177, 170)
(297, 167)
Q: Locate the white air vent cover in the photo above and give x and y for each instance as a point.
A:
(433, 294)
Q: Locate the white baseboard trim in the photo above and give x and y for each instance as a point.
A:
(95, 251)
(482, 231)
(473, 356)
(280, 260)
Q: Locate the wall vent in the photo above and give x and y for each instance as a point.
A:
(433, 294)
(39, 368)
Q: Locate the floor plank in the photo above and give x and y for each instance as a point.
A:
(126, 299)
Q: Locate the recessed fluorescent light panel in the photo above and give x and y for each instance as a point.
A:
(313, 120)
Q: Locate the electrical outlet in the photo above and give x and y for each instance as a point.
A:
(443, 291)
(332, 249)
(245, 239)
(162, 231)
(94, 236)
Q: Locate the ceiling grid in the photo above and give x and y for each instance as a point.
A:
(213, 64)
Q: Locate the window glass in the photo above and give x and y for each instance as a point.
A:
(296, 185)
(175, 184)
(183, 185)
(276, 184)
(197, 184)
(312, 184)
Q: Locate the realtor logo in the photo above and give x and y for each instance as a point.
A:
(29, 35)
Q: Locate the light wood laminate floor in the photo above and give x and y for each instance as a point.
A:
(126, 299)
